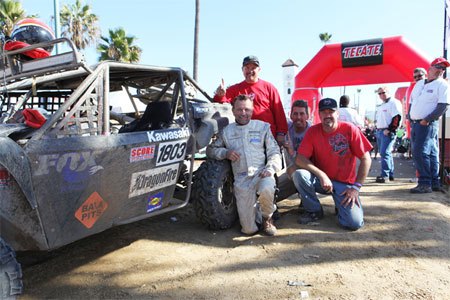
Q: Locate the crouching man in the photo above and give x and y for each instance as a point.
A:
(327, 162)
(255, 158)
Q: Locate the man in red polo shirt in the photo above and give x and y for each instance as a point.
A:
(266, 99)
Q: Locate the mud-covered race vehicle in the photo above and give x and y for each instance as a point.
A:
(74, 162)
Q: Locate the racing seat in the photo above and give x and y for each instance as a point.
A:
(157, 116)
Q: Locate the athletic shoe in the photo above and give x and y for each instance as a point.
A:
(308, 217)
(436, 188)
(380, 179)
(391, 178)
(421, 189)
(268, 227)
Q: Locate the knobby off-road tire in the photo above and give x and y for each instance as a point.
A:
(10, 272)
(212, 194)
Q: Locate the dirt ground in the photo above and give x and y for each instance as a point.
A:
(403, 252)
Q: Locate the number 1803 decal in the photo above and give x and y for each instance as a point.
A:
(171, 152)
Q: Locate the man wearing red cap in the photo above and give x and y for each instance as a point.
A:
(266, 99)
(429, 101)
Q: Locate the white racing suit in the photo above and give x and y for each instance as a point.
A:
(258, 151)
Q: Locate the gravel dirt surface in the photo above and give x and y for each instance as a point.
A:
(403, 252)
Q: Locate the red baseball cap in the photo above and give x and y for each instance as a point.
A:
(440, 61)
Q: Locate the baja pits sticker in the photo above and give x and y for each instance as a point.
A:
(155, 202)
(153, 179)
(170, 134)
(142, 153)
(91, 210)
(171, 152)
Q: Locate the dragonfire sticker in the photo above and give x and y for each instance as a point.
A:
(153, 179)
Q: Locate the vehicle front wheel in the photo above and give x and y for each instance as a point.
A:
(10, 272)
(212, 194)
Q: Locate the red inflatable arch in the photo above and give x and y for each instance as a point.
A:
(384, 60)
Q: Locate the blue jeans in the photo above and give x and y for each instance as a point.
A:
(425, 152)
(385, 146)
(307, 184)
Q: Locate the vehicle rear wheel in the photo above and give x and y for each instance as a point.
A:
(10, 272)
(212, 194)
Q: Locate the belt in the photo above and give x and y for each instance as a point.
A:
(415, 121)
(381, 128)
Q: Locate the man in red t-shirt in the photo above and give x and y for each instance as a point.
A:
(266, 99)
(327, 161)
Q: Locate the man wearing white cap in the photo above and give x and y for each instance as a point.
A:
(429, 101)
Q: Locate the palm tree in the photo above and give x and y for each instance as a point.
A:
(197, 21)
(325, 37)
(119, 47)
(79, 24)
(11, 11)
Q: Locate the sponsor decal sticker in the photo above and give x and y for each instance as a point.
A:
(70, 162)
(142, 153)
(171, 152)
(362, 53)
(171, 134)
(5, 178)
(91, 210)
(153, 179)
(155, 202)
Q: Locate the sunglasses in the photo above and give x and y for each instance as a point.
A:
(440, 67)
(418, 76)
(382, 93)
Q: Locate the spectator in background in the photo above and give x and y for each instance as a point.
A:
(419, 74)
(429, 100)
(388, 118)
(266, 99)
(348, 114)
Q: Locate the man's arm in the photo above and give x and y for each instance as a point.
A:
(364, 168)
(273, 155)
(304, 163)
(440, 109)
(216, 149)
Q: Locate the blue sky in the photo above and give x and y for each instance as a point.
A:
(272, 30)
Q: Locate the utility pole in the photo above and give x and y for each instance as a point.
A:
(57, 23)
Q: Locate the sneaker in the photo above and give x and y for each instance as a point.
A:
(391, 178)
(380, 179)
(276, 215)
(301, 208)
(268, 227)
(421, 189)
(308, 217)
(436, 188)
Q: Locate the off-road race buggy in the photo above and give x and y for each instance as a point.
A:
(73, 163)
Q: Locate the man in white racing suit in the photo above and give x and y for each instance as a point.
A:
(255, 158)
